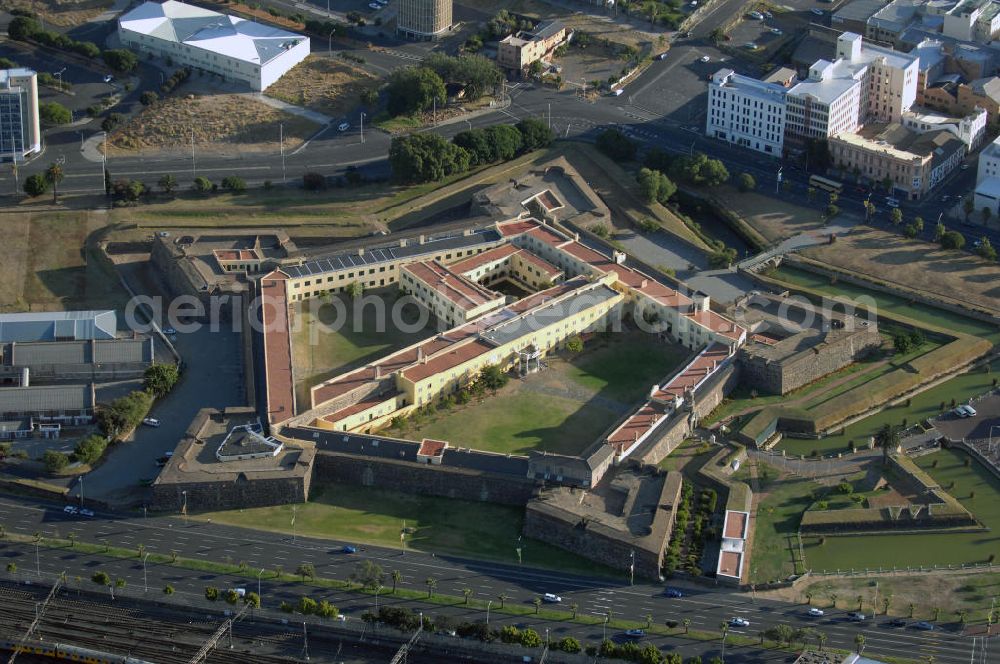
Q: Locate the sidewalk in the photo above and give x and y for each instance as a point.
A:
(314, 116)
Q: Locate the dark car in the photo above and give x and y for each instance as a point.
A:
(898, 622)
(924, 625)
(349, 549)
(673, 592)
(635, 633)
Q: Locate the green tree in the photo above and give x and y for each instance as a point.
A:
(616, 145)
(36, 185)
(234, 184)
(431, 584)
(168, 183)
(530, 638)
(896, 216)
(306, 570)
(307, 605)
(101, 578)
(918, 223)
(413, 90)
(253, 599)
(54, 175)
(901, 343)
(986, 250)
(476, 74)
(953, 240)
(569, 644)
(831, 211)
(492, 377)
(574, 344)
(168, 590)
(369, 574)
(23, 28)
(859, 643)
(54, 113)
(746, 182)
(90, 449)
(54, 461)
(397, 578)
(425, 158)
(211, 593)
(939, 231)
(121, 60)
(369, 97)
(148, 98)
(968, 205)
(538, 604)
(354, 290)
(535, 134)
(655, 186)
(202, 184)
(160, 378)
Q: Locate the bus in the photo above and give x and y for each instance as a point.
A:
(826, 184)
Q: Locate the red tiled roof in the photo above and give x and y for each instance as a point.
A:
(472, 262)
(277, 348)
(543, 265)
(718, 324)
(446, 360)
(429, 447)
(735, 526)
(236, 254)
(512, 228)
(694, 372)
(730, 563)
(636, 425)
(547, 235)
(453, 286)
(361, 406)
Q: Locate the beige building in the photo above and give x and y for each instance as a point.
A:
(448, 295)
(915, 163)
(518, 51)
(423, 19)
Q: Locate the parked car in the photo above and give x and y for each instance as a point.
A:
(240, 592)
(151, 421)
(965, 166)
(108, 78)
(169, 331)
(750, 46)
(673, 592)
(343, 126)
(705, 58)
(959, 412)
(767, 14)
(891, 202)
(85, 512)
(663, 56)
(349, 549)
(924, 625)
(739, 622)
(898, 622)
(857, 616)
(635, 633)
(372, 5)
(776, 31)
(71, 509)
(815, 612)
(551, 598)
(757, 16)
(970, 411)
(818, 12)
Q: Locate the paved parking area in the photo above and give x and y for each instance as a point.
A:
(758, 32)
(982, 426)
(87, 86)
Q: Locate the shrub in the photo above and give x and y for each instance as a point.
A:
(121, 60)
(112, 121)
(90, 449)
(234, 184)
(101, 578)
(202, 184)
(148, 98)
(36, 185)
(168, 590)
(616, 145)
(211, 594)
(124, 414)
(313, 181)
(54, 461)
(54, 113)
(746, 182)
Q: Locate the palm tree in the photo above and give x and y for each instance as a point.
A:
(574, 608)
(397, 576)
(937, 613)
(912, 607)
(859, 643)
(649, 621)
(431, 584)
(54, 175)
(886, 601)
(503, 598)
(888, 439)
(861, 602)
(833, 598)
(809, 598)
(821, 638)
(467, 592)
(538, 604)
(962, 615)
(687, 625)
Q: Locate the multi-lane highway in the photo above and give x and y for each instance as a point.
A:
(705, 606)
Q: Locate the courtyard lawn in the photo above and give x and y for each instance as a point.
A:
(561, 409)
(974, 487)
(626, 366)
(516, 422)
(328, 340)
(890, 303)
(440, 525)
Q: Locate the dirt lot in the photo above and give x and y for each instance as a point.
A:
(329, 86)
(228, 118)
(50, 262)
(916, 265)
(62, 13)
(774, 218)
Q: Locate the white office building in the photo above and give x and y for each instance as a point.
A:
(971, 129)
(827, 102)
(231, 47)
(987, 194)
(747, 112)
(889, 77)
(20, 132)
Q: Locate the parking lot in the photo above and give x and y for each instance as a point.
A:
(766, 34)
(982, 426)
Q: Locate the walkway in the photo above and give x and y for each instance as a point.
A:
(314, 116)
(794, 243)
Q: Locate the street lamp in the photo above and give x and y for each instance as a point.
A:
(362, 126)
(80, 482)
(184, 505)
(59, 74)
(259, 574)
(488, 605)
(631, 569)
(145, 587)
(378, 589)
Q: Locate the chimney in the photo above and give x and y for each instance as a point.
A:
(378, 371)
(420, 239)
(361, 251)
(644, 283)
(402, 243)
(420, 353)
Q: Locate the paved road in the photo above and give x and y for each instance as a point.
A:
(706, 607)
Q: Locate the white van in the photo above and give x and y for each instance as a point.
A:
(969, 410)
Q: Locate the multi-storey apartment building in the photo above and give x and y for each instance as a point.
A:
(20, 133)
(747, 112)
(423, 19)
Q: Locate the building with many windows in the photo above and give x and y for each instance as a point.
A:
(231, 47)
(987, 194)
(424, 19)
(517, 52)
(747, 112)
(20, 133)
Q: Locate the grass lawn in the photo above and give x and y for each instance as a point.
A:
(562, 409)
(688, 458)
(439, 525)
(929, 549)
(779, 513)
(922, 406)
(895, 305)
(517, 421)
(327, 339)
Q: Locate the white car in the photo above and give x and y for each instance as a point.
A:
(739, 622)
(776, 31)
(151, 421)
(757, 16)
(815, 612)
(663, 56)
(969, 410)
(705, 58)
(750, 45)
(372, 5)
(71, 509)
(343, 126)
(891, 202)
(88, 513)
(818, 12)
(108, 78)
(551, 598)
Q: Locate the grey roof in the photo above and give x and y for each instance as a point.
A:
(517, 326)
(46, 398)
(859, 10)
(987, 87)
(112, 351)
(486, 462)
(548, 29)
(246, 439)
(47, 326)
(895, 16)
(388, 253)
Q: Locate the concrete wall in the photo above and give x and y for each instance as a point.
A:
(243, 492)
(430, 480)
